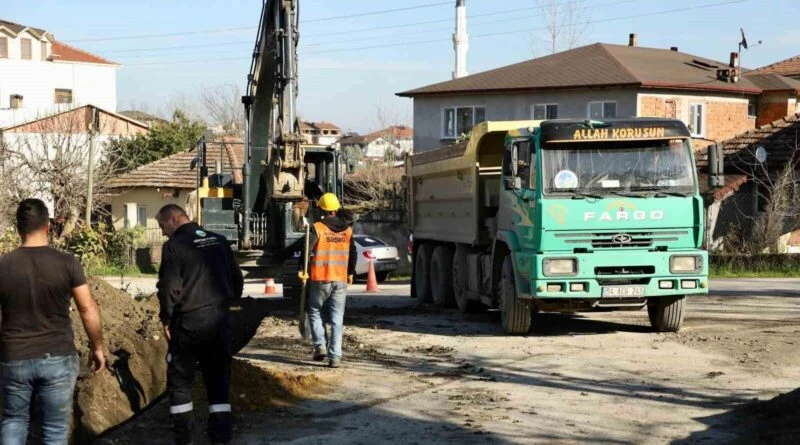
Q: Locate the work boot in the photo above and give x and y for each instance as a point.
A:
(333, 363)
(319, 354)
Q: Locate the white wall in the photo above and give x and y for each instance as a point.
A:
(37, 80)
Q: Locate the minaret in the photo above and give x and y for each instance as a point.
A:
(461, 40)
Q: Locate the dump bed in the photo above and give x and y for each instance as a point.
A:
(454, 190)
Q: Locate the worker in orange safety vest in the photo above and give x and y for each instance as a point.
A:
(332, 264)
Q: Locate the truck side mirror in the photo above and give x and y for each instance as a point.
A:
(514, 160)
(716, 176)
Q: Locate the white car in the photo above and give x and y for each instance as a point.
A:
(385, 258)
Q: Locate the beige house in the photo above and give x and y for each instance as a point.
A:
(140, 193)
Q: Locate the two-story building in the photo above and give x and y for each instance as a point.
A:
(603, 81)
(321, 133)
(396, 139)
(40, 76)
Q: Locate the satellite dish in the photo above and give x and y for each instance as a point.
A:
(744, 39)
(761, 154)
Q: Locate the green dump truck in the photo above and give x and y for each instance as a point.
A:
(560, 215)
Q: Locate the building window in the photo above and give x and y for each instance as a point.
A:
(63, 96)
(544, 111)
(141, 216)
(460, 120)
(752, 108)
(44, 51)
(26, 49)
(15, 101)
(3, 47)
(602, 110)
(697, 116)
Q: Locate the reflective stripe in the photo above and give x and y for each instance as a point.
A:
(180, 409)
(329, 263)
(221, 408)
(333, 252)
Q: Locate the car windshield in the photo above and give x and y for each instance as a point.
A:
(365, 241)
(634, 167)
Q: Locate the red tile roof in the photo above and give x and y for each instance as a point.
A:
(789, 67)
(62, 52)
(324, 126)
(179, 170)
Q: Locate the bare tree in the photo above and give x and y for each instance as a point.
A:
(223, 106)
(387, 118)
(377, 186)
(566, 23)
(780, 193)
(49, 159)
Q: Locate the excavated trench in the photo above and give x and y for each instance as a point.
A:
(136, 353)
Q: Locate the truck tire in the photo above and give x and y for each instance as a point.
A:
(666, 313)
(515, 314)
(441, 281)
(460, 274)
(422, 273)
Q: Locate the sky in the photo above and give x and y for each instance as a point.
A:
(355, 56)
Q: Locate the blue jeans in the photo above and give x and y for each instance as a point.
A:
(326, 302)
(52, 379)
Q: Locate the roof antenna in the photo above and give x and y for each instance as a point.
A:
(743, 44)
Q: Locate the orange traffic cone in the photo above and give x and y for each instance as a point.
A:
(372, 281)
(269, 286)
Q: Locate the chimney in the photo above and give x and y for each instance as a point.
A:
(674, 48)
(633, 40)
(734, 60)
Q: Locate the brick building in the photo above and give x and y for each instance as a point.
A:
(600, 81)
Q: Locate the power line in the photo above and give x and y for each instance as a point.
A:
(362, 39)
(670, 11)
(385, 11)
(422, 42)
(241, 28)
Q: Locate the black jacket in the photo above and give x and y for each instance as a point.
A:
(338, 225)
(198, 271)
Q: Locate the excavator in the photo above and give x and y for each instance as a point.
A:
(265, 216)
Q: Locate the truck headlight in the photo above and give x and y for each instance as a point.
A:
(560, 266)
(685, 264)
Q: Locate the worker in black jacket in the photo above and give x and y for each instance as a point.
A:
(197, 281)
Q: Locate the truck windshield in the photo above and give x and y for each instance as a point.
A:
(631, 167)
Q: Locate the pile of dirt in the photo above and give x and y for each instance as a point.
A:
(772, 422)
(136, 351)
(254, 388)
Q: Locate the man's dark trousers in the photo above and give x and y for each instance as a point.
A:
(200, 339)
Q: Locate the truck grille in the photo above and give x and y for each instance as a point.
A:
(616, 240)
(631, 270)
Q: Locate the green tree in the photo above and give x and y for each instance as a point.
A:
(161, 141)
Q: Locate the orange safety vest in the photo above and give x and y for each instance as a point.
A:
(331, 254)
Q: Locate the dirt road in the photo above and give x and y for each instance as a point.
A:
(420, 375)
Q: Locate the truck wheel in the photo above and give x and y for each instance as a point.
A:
(460, 273)
(516, 314)
(422, 273)
(666, 313)
(441, 281)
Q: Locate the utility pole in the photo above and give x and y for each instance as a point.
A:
(93, 127)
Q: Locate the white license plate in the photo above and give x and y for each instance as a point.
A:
(384, 267)
(623, 291)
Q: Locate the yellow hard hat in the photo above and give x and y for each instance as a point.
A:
(329, 202)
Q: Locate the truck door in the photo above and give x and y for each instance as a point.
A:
(518, 191)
